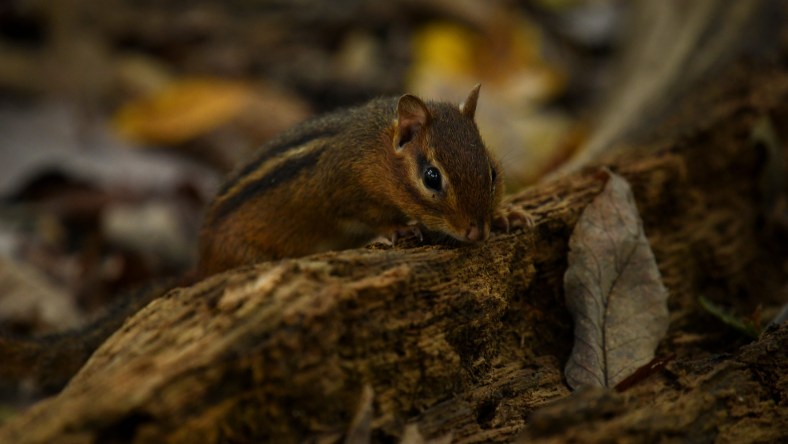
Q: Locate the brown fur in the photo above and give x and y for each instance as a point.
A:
(340, 180)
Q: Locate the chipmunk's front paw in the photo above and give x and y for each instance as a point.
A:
(407, 231)
(506, 218)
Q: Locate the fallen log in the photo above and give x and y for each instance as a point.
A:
(470, 341)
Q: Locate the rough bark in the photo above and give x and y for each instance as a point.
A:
(469, 341)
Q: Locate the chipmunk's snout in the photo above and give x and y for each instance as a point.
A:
(477, 232)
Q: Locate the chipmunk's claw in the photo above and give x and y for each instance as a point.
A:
(406, 231)
(509, 217)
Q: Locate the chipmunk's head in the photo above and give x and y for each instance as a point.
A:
(453, 185)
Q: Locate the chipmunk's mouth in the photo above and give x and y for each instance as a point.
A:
(472, 233)
(467, 232)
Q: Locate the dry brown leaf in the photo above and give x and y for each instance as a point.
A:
(412, 435)
(47, 138)
(614, 291)
(29, 298)
(360, 431)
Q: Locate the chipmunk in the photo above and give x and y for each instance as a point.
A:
(341, 180)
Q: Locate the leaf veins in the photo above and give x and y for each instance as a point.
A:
(614, 291)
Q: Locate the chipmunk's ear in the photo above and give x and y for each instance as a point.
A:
(412, 115)
(468, 106)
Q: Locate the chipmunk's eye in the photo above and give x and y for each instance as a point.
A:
(432, 179)
(493, 176)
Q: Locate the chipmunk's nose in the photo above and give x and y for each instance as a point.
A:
(476, 232)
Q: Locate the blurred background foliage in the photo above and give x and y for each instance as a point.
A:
(119, 118)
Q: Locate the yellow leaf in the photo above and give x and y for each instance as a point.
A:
(183, 110)
(446, 48)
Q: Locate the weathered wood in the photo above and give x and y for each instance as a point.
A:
(470, 340)
(731, 399)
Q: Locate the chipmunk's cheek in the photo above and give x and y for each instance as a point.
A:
(442, 226)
